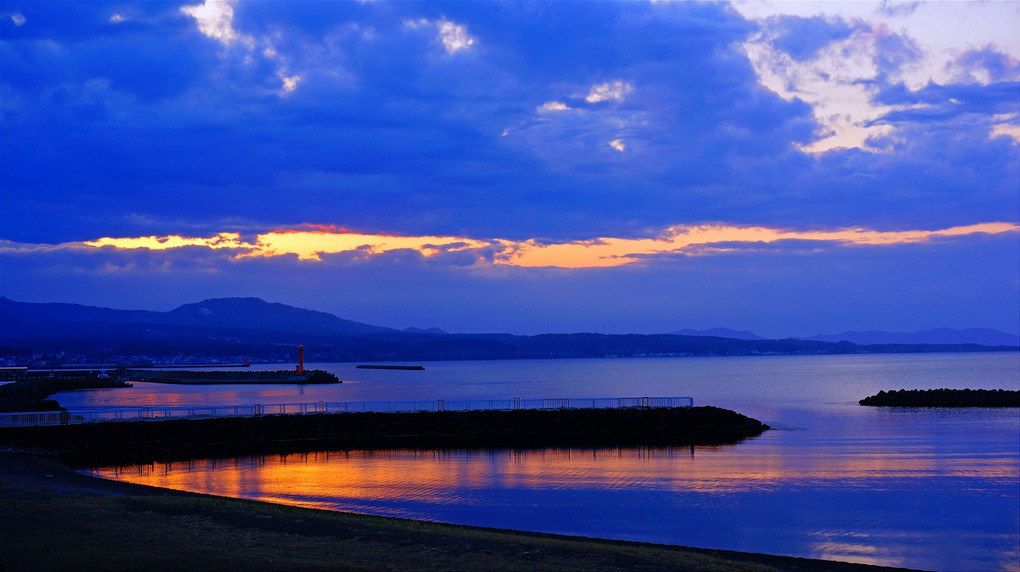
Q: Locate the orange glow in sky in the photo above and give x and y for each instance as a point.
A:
(715, 238)
(309, 245)
(221, 240)
(313, 242)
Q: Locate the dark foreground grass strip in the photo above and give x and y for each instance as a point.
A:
(56, 519)
(154, 533)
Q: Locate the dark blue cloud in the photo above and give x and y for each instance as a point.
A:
(147, 52)
(946, 102)
(940, 163)
(385, 124)
(146, 126)
(802, 38)
(996, 64)
(70, 23)
(898, 7)
(893, 52)
(927, 178)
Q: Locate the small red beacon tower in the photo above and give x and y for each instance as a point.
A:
(301, 359)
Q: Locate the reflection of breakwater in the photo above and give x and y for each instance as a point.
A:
(139, 442)
(513, 456)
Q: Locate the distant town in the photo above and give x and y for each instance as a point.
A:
(82, 361)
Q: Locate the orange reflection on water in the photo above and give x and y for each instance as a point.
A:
(156, 395)
(814, 489)
(859, 552)
(330, 479)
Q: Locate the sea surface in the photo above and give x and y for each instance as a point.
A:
(923, 488)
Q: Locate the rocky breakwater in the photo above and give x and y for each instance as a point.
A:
(945, 398)
(189, 377)
(147, 441)
(30, 393)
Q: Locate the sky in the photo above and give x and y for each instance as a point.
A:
(789, 168)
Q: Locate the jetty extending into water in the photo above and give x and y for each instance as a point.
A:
(160, 433)
(93, 444)
(191, 377)
(396, 367)
(30, 393)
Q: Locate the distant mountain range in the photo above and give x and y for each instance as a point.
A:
(233, 313)
(251, 326)
(719, 333)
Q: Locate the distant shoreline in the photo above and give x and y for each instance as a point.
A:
(231, 328)
(384, 361)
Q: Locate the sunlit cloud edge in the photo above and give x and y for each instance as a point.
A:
(310, 243)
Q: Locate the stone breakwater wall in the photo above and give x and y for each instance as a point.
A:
(945, 398)
(192, 377)
(148, 441)
(29, 394)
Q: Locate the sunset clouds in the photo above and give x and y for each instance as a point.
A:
(495, 151)
(602, 252)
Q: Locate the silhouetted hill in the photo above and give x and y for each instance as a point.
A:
(269, 331)
(217, 313)
(257, 314)
(24, 312)
(424, 331)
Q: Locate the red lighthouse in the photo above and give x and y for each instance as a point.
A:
(301, 359)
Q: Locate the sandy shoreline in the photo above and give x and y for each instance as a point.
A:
(58, 518)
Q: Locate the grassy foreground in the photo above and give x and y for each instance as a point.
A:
(57, 519)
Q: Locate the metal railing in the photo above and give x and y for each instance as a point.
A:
(76, 416)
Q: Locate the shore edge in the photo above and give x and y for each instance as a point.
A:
(182, 530)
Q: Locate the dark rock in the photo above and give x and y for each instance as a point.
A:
(945, 398)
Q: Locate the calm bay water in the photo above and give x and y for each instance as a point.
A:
(923, 488)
